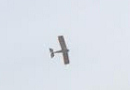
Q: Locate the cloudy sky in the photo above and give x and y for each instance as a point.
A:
(97, 33)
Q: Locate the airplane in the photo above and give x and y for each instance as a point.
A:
(63, 50)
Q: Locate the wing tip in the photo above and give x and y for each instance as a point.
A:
(60, 36)
(67, 63)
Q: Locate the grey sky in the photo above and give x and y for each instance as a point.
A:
(97, 34)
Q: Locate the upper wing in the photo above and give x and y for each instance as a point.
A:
(62, 42)
(66, 58)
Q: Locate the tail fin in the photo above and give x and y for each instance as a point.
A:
(52, 53)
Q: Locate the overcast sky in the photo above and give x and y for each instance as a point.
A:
(97, 32)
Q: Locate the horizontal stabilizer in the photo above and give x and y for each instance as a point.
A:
(52, 52)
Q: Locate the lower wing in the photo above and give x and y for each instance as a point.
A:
(66, 58)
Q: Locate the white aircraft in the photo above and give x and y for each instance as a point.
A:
(63, 50)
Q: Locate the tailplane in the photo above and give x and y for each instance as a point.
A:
(52, 52)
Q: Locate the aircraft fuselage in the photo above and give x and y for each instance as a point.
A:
(62, 51)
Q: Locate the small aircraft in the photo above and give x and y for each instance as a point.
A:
(63, 50)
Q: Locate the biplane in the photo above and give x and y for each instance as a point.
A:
(63, 50)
